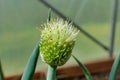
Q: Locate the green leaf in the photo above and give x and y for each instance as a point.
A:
(31, 65)
(51, 75)
(84, 69)
(1, 72)
(115, 67)
(49, 15)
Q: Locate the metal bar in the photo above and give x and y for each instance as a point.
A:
(80, 28)
(114, 20)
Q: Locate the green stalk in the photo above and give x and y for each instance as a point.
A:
(1, 72)
(115, 67)
(84, 69)
(31, 65)
(51, 75)
(49, 15)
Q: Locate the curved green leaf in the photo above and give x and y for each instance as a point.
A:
(115, 67)
(31, 65)
(84, 69)
(1, 72)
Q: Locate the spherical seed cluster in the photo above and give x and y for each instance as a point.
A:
(57, 41)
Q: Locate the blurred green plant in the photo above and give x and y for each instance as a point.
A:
(55, 47)
(57, 41)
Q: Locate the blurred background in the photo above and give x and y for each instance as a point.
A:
(19, 33)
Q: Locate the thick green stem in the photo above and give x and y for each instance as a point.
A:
(51, 75)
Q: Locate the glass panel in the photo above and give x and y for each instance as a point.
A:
(19, 33)
(20, 19)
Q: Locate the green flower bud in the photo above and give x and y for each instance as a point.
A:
(57, 42)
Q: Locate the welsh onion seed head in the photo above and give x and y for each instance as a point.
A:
(57, 41)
